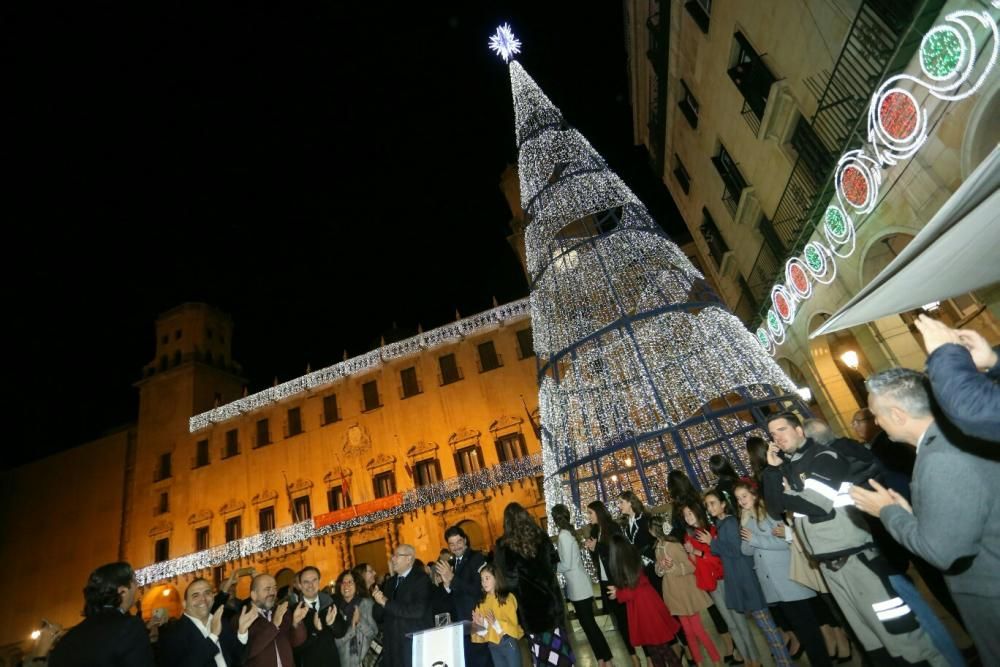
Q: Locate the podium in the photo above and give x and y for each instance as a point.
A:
(443, 646)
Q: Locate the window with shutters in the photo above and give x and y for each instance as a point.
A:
(511, 447)
(330, 412)
(294, 421)
(234, 528)
(370, 392)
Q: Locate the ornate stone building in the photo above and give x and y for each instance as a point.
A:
(390, 447)
(746, 108)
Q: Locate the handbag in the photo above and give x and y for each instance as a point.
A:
(804, 570)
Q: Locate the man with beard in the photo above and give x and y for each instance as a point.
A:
(199, 638)
(270, 637)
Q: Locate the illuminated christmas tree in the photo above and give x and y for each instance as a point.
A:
(642, 369)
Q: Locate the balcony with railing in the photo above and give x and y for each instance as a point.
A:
(732, 180)
(882, 38)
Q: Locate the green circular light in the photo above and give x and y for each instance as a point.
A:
(835, 222)
(941, 52)
(813, 258)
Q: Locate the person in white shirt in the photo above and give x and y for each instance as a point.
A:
(198, 638)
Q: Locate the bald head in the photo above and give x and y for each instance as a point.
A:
(264, 591)
(818, 430)
(402, 558)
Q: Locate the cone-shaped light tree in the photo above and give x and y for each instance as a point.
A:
(642, 370)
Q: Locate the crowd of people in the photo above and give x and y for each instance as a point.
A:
(812, 547)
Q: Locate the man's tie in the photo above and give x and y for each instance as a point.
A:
(458, 563)
(315, 606)
(399, 580)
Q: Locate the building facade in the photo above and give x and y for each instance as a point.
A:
(746, 108)
(402, 426)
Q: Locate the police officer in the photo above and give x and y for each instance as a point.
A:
(812, 482)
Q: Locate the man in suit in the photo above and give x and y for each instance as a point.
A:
(403, 605)
(199, 638)
(461, 580)
(270, 637)
(954, 522)
(322, 623)
(109, 634)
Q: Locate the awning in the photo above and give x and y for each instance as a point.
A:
(956, 252)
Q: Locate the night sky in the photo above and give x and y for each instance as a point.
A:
(319, 173)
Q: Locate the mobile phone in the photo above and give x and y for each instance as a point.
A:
(160, 613)
(245, 572)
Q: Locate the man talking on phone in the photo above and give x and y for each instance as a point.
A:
(199, 638)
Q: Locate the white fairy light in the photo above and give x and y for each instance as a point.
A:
(504, 43)
(448, 334)
(412, 500)
(637, 353)
(897, 129)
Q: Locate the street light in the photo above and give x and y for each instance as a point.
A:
(35, 634)
(850, 359)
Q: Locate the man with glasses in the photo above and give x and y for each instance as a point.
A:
(403, 606)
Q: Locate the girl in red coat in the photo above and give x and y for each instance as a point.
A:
(650, 623)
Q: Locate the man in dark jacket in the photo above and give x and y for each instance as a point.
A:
(461, 580)
(322, 623)
(970, 399)
(108, 635)
(403, 606)
(199, 638)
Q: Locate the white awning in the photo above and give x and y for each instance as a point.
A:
(956, 252)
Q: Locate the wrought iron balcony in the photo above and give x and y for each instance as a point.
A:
(883, 37)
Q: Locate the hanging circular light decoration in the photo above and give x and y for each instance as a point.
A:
(783, 304)
(942, 53)
(775, 327)
(899, 114)
(797, 277)
(764, 340)
(839, 231)
(820, 265)
(857, 181)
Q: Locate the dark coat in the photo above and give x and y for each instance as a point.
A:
(407, 609)
(466, 586)
(181, 644)
(968, 398)
(603, 549)
(534, 584)
(110, 639)
(265, 637)
(319, 648)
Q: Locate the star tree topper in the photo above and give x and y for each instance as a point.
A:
(504, 43)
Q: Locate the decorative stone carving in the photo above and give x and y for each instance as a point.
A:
(336, 475)
(233, 506)
(264, 498)
(506, 422)
(381, 460)
(201, 516)
(300, 485)
(463, 434)
(357, 440)
(422, 448)
(163, 527)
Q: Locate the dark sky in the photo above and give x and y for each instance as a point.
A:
(319, 173)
